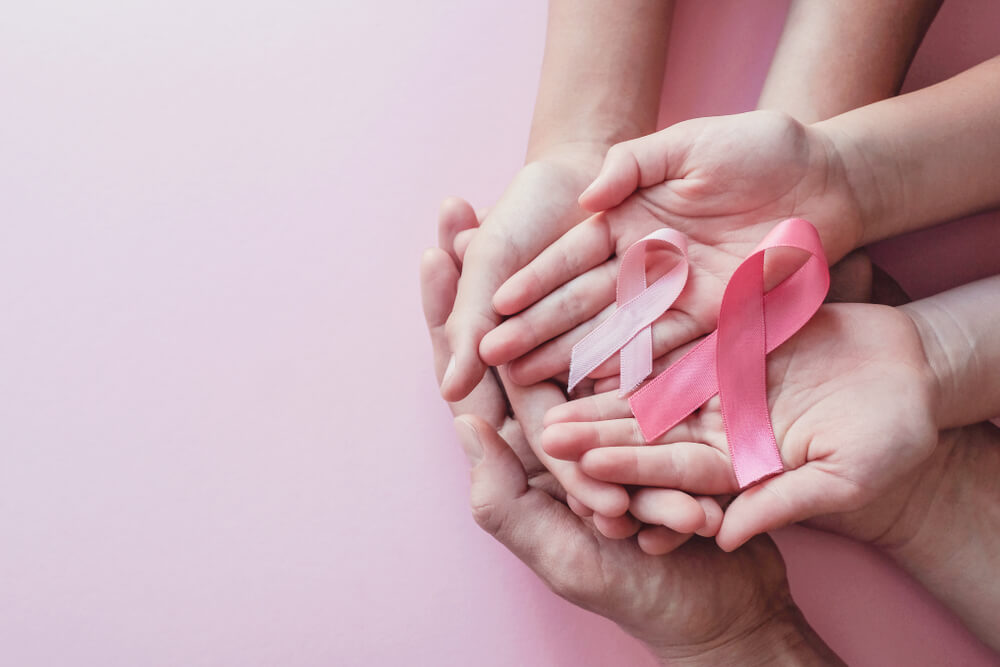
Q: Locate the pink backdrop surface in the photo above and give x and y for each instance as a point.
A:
(220, 438)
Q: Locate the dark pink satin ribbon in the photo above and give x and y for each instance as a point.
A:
(731, 360)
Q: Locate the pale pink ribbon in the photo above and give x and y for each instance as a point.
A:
(628, 328)
(731, 360)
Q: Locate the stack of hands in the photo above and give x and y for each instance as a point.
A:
(867, 401)
(878, 406)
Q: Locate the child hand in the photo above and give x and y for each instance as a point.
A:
(852, 402)
(724, 182)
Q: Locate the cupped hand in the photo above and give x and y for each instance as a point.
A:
(724, 182)
(852, 403)
(439, 282)
(538, 206)
(697, 600)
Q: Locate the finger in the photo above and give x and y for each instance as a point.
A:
(464, 237)
(522, 518)
(611, 383)
(628, 166)
(689, 466)
(668, 507)
(552, 358)
(538, 476)
(598, 407)
(578, 508)
(498, 480)
(569, 305)
(658, 541)
(672, 335)
(713, 516)
(570, 440)
(786, 498)
(462, 241)
(531, 215)
(616, 527)
(438, 278)
(438, 281)
(455, 216)
(583, 247)
(530, 405)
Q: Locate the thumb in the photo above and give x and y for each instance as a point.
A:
(503, 504)
(498, 478)
(789, 497)
(628, 166)
(456, 218)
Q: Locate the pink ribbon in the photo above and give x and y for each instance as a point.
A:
(731, 360)
(628, 328)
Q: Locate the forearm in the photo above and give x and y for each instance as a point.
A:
(786, 639)
(602, 72)
(954, 551)
(960, 332)
(838, 56)
(925, 157)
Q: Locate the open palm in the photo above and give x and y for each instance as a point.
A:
(851, 400)
(724, 182)
(678, 604)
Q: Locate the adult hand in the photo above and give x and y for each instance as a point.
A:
(724, 182)
(696, 605)
(458, 221)
(538, 206)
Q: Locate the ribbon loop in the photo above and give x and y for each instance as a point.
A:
(731, 360)
(628, 328)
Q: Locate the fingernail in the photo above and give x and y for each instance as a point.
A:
(448, 372)
(469, 440)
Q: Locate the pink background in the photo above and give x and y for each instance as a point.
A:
(215, 449)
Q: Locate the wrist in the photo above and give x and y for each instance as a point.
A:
(871, 179)
(958, 331)
(580, 154)
(841, 220)
(938, 355)
(955, 531)
(784, 638)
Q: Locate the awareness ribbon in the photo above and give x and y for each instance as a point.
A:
(628, 328)
(731, 360)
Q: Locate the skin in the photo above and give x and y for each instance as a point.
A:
(581, 492)
(836, 56)
(592, 94)
(672, 602)
(852, 401)
(696, 606)
(922, 522)
(914, 526)
(704, 178)
(869, 174)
